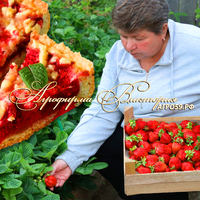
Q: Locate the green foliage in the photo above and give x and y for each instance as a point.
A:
(197, 11)
(23, 165)
(176, 15)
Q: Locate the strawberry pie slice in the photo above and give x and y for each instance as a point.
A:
(51, 81)
(18, 18)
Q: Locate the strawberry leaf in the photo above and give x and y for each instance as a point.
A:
(34, 76)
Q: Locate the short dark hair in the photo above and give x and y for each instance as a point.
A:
(132, 15)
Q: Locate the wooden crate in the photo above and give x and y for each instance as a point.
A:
(136, 183)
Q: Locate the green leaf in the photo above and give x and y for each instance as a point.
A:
(13, 157)
(10, 193)
(62, 148)
(51, 152)
(60, 32)
(48, 169)
(25, 149)
(7, 177)
(28, 168)
(98, 165)
(51, 197)
(14, 183)
(42, 187)
(3, 168)
(34, 76)
(39, 167)
(84, 170)
(68, 127)
(61, 137)
(33, 139)
(48, 144)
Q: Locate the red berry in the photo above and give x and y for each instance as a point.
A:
(50, 181)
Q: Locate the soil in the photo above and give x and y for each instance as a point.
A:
(104, 191)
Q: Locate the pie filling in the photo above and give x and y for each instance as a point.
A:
(3, 3)
(24, 112)
(9, 39)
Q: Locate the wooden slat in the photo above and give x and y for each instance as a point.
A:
(161, 188)
(189, 8)
(155, 178)
(174, 5)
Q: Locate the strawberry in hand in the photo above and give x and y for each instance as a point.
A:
(50, 181)
(61, 171)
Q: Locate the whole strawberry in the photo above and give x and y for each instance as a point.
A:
(160, 167)
(131, 141)
(162, 124)
(189, 136)
(164, 158)
(174, 163)
(187, 166)
(151, 160)
(196, 129)
(153, 136)
(177, 144)
(196, 164)
(187, 124)
(145, 145)
(131, 127)
(152, 124)
(169, 127)
(142, 135)
(196, 155)
(176, 133)
(143, 170)
(165, 138)
(50, 181)
(139, 153)
(163, 149)
(141, 124)
(181, 155)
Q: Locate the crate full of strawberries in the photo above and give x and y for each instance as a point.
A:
(161, 154)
